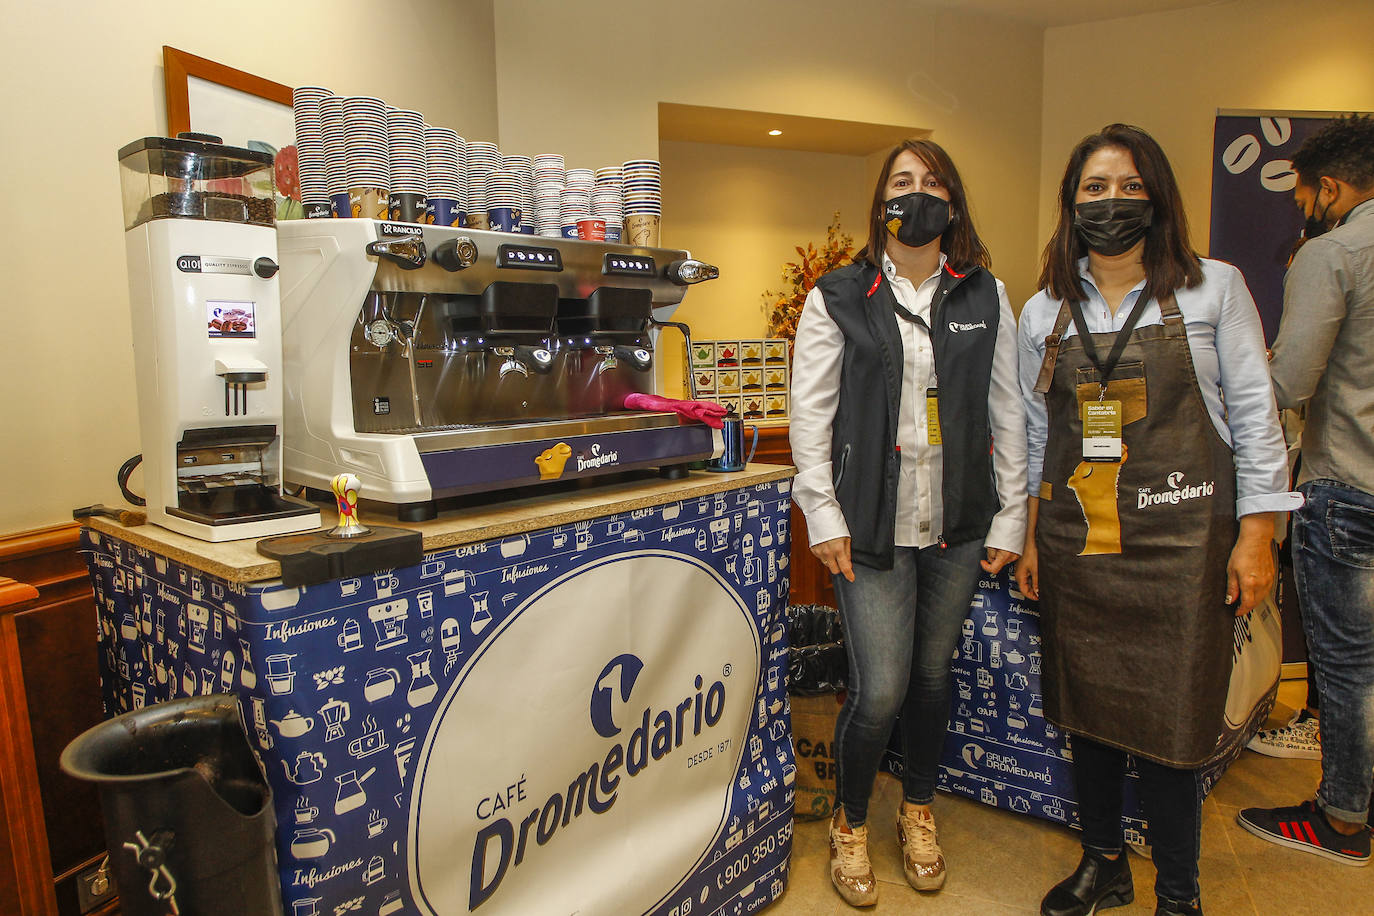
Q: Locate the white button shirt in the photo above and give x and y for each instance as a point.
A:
(819, 355)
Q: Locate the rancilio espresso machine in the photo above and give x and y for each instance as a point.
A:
(434, 362)
(198, 220)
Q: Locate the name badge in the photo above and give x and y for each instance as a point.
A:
(1101, 430)
(933, 417)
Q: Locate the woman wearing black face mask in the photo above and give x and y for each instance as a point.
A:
(1155, 462)
(909, 439)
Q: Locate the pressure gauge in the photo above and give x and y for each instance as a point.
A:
(380, 332)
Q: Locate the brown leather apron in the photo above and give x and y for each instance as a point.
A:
(1133, 554)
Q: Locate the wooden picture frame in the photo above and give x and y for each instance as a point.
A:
(243, 110)
(179, 66)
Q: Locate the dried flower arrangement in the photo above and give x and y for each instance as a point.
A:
(783, 308)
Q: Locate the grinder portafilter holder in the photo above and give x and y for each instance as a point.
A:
(189, 822)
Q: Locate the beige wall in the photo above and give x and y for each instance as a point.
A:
(600, 68)
(1170, 72)
(81, 79)
(746, 210)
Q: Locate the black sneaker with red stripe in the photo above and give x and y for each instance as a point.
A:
(1304, 827)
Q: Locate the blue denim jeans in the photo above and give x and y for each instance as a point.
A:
(900, 629)
(1333, 567)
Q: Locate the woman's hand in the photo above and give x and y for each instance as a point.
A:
(1250, 571)
(1028, 567)
(834, 554)
(997, 558)
(1028, 572)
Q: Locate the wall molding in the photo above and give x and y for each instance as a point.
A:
(36, 541)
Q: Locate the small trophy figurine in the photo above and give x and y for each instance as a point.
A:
(346, 487)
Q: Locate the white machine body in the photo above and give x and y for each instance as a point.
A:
(207, 332)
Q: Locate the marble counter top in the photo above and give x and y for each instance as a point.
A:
(239, 561)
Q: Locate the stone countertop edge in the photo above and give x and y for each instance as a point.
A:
(239, 561)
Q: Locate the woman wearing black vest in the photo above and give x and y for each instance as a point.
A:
(908, 434)
(1156, 462)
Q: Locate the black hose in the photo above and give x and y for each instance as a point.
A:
(122, 478)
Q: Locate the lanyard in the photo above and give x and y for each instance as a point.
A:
(1106, 369)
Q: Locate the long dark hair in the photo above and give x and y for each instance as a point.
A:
(960, 241)
(1169, 259)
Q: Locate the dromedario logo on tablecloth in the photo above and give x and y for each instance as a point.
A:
(649, 711)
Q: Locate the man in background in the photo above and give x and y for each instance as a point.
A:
(1324, 358)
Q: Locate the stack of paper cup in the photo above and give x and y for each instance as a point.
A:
(504, 201)
(483, 159)
(366, 161)
(549, 182)
(405, 141)
(606, 201)
(575, 202)
(523, 167)
(305, 103)
(444, 177)
(643, 201)
(335, 159)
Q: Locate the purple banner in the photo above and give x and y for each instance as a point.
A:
(1254, 220)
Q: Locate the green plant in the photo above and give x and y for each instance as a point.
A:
(783, 308)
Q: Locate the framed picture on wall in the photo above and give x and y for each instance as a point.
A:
(240, 108)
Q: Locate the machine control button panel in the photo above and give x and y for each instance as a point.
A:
(628, 265)
(529, 257)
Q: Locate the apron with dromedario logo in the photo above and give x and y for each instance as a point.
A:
(1133, 553)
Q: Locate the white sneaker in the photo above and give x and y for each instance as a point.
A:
(922, 859)
(1300, 738)
(850, 870)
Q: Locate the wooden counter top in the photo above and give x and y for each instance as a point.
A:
(239, 561)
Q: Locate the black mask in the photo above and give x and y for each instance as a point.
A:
(1316, 225)
(916, 219)
(1112, 226)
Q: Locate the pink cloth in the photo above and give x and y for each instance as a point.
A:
(707, 412)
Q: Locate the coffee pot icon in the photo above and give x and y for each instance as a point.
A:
(309, 768)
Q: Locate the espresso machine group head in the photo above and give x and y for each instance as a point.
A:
(202, 259)
(435, 361)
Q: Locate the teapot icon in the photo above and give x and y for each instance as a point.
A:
(309, 768)
(293, 724)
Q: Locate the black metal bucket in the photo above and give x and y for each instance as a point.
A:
(188, 815)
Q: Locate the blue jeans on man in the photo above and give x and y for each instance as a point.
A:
(1333, 565)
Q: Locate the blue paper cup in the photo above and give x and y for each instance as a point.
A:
(339, 205)
(503, 219)
(443, 211)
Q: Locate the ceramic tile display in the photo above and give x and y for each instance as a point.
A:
(749, 377)
(493, 728)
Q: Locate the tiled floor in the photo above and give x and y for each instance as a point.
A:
(1003, 863)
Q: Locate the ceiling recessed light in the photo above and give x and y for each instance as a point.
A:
(774, 132)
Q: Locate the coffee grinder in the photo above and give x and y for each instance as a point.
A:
(200, 234)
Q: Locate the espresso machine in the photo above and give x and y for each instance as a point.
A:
(198, 219)
(435, 362)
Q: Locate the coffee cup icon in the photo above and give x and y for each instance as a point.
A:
(376, 826)
(349, 587)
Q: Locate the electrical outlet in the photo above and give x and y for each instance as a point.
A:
(94, 886)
